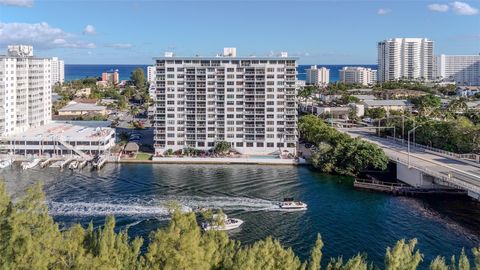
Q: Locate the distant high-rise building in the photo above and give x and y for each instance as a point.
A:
(317, 76)
(461, 69)
(25, 90)
(58, 71)
(111, 77)
(405, 58)
(249, 102)
(151, 74)
(359, 75)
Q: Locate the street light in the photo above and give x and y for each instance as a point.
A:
(408, 137)
(394, 127)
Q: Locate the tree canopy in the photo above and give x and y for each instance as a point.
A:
(338, 152)
(222, 147)
(31, 239)
(427, 104)
(138, 77)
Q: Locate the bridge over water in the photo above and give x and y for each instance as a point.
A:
(424, 168)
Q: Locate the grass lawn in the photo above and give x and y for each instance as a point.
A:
(143, 156)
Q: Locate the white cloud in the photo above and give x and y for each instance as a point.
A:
(18, 3)
(438, 7)
(462, 8)
(89, 30)
(120, 45)
(383, 11)
(40, 35)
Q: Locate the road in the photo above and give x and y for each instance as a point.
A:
(455, 171)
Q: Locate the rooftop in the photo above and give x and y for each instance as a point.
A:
(82, 107)
(365, 97)
(69, 130)
(388, 102)
(278, 58)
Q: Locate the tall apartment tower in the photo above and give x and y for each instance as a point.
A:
(151, 74)
(317, 76)
(250, 102)
(359, 75)
(58, 71)
(461, 69)
(25, 90)
(405, 58)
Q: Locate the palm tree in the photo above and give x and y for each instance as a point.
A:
(457, 106)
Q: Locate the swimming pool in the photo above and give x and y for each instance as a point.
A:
(263, 157)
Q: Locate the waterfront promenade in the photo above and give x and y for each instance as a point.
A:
(446, 170)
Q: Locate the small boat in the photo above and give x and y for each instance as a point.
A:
(30, 164)
(5, 163)
(291, 205)
(73, 165)
(228, 223)
(57, 164)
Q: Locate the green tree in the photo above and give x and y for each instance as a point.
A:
(337, 152)
(376, 113)
(457, 106)
(138, 77)
(403, 256)
(221, 147)
(427, 104)
(316, 254)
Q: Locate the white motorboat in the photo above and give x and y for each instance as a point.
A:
(73, 165)
(225, 223)
(30, 164)
(56, 164)
(291, 205)
(5, 163)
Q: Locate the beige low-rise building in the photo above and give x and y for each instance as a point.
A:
(388, 105)
(77, 109)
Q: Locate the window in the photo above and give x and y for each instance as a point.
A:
(239, 144)
(279, 144)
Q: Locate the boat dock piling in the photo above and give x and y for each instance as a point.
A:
(405, 190)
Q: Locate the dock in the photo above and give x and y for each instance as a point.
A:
(405, 190)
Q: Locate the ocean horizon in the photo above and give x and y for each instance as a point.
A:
(81, 71)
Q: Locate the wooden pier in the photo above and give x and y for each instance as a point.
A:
(405, 190)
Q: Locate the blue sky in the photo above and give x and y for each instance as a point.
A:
(323, 32)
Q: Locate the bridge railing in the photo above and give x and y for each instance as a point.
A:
(469, 157)
(449, 178)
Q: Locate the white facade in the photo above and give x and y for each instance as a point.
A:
(461, 69)
(151, 74)
(25, 90)
(405, 58)
(249, 102)
(358, 75)
(58, 138)
(317, 76)
(58, 71)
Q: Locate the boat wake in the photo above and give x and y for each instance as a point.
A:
(156, 207)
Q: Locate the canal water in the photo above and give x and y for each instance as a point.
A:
(349, 220)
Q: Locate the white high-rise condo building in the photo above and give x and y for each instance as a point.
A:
(58, 70)
(405, 59)
(151, 74)
(359, 75)
(25, 90)
(250, 102)
(461, 69)
(317, 76)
